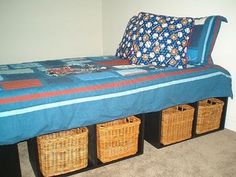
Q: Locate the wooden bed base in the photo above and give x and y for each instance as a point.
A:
(150, 130)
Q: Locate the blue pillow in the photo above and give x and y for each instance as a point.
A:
(157, 39)
(126, 45)
(162, 40)
(202, 40)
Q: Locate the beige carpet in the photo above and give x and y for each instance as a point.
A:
(212, 155)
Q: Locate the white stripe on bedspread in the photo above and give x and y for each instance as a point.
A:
(107, 96)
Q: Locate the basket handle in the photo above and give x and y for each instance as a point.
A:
(211, 102)
(128, 120)
(180, 108)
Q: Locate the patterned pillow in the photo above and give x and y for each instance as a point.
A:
(203, 38)
(125, 48)
(161, 40)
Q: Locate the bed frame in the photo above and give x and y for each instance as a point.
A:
(150, 130)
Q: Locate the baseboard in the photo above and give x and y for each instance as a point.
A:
(230, 123)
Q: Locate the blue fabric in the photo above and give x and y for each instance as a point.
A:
(156, 39)
(203, 38)
(126, 45)
(97, 76)
(192, 54)
(162, 40)
(74, 101)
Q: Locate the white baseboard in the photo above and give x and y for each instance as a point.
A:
(230, 123)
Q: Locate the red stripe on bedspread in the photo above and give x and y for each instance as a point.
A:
(97, 87)
(114, 62)
(20, 84)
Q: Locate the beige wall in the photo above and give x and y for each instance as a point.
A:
(117, 13)
(49, 29)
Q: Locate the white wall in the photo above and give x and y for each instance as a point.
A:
(117, 13)
(49, 29)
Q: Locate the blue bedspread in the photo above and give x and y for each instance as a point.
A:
(42, 97)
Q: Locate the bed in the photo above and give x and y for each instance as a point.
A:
(161, 61)
(48, 96)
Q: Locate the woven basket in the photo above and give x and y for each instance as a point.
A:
(176, 124)
(63, 152)
(209, 115)
(117, 139)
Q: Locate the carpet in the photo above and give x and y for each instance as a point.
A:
(212, 155)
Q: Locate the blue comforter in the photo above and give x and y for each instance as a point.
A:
(42, 97)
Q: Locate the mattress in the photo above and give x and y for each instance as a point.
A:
(47, 96)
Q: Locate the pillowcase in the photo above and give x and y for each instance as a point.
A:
(162, 40)
(158, 40)
(203, 38)
(126, 45)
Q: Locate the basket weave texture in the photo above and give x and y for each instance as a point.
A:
(209, 115)
(117, 139)
(63, 152)
(176, 124)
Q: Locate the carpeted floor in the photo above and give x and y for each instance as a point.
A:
(212, 155)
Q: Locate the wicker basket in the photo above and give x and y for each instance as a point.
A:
(117, 139)
(176, 124)
(63, 152)
(209, 115)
